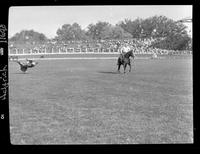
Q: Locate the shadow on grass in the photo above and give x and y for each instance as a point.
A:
(21, 73)
(109, 72)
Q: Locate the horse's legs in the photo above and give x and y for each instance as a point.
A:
(119, 67)
(125, 68)
(129, 67)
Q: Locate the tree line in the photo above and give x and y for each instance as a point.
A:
(174, 33)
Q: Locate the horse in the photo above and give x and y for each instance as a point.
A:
(25, 66)
(125, 60)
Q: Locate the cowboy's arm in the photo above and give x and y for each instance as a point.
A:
(121, 50)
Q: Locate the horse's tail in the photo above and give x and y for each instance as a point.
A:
(119, 60)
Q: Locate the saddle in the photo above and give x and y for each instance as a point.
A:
(122, 57)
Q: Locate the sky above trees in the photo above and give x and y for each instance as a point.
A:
(47, 19)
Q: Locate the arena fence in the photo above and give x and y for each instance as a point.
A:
(60, 51)
(45, 51)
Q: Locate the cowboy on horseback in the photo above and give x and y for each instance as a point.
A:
(124, 50)
(124, 59)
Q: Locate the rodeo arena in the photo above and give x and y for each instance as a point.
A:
(74, 92)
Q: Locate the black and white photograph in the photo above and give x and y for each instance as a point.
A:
(100, 74)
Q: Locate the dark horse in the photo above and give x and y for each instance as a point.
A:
(25, 66)
(125, 60)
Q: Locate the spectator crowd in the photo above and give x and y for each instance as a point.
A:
(138, 45)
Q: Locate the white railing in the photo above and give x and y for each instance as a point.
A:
(44, 51)
(52, 51)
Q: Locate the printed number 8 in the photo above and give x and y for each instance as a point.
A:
(2, 116)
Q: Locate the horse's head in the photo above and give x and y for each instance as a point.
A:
(129, 54)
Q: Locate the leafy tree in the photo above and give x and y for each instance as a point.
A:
(132, 27)
(173, 34)
(28, 36)
(115, 32)
(174, 42)
(97, 31)
(91, 32)
(71, 32)
(120, 33)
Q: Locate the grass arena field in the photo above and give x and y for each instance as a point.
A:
(85, 101)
